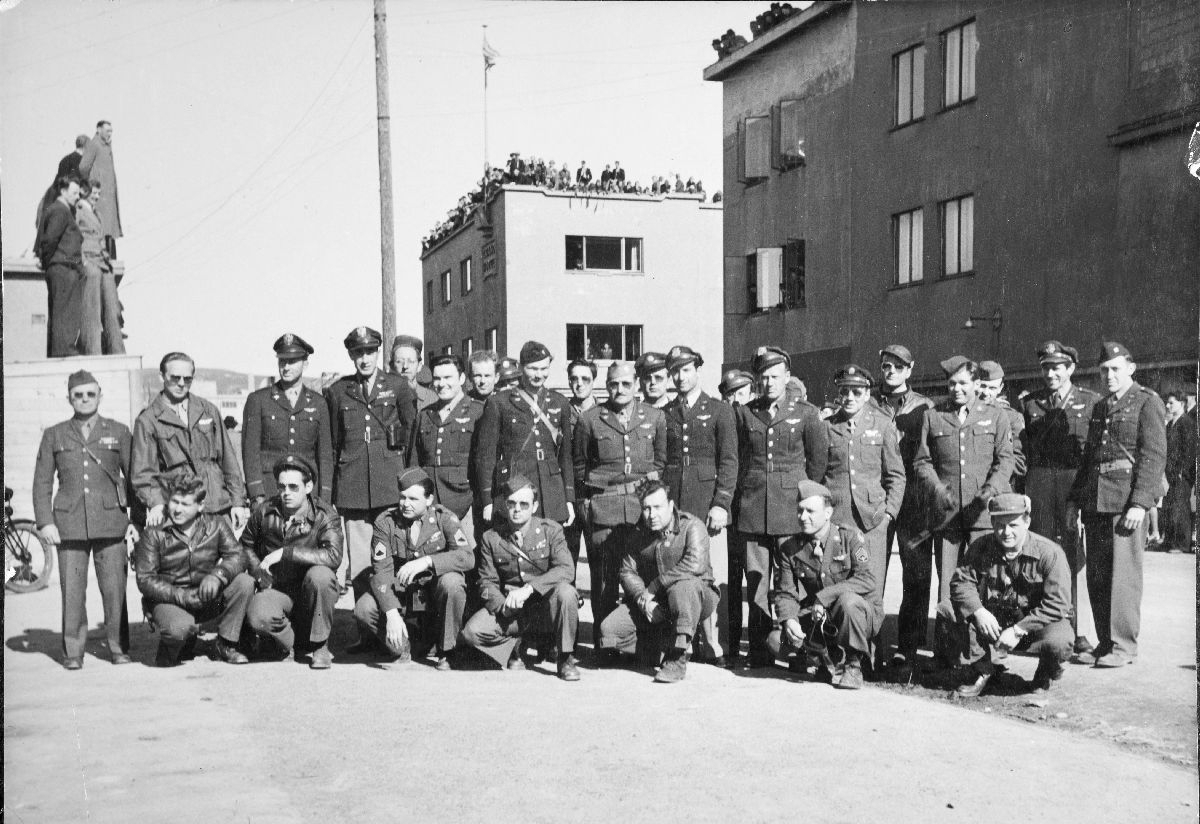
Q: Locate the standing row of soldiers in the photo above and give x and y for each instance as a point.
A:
(644, 483)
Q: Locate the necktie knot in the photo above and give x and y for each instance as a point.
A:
(518, 538)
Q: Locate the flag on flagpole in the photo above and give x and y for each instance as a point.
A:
(489, 55)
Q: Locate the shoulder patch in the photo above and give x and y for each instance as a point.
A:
(379, 553)
(460, 538)
(860, 555)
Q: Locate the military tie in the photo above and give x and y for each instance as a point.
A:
(772, 409)
(85, 427)
(414, 532)
(962, 415)
(518, 539)
(850, 423)
(817, 550)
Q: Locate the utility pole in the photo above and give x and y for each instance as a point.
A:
(387, 226)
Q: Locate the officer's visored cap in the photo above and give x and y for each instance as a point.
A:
(1010, 503)
(649, 363)
(532, 352)
(853, 375)
(767, 356)
(515, 484)
(953, 363)
(733, 380)
(1053, 351)
(411, 477)
(989, 370)
(812, 489)
(290, 345)
(80, 378)
(620, 369)
(898, 352)
(1111, 349)
(682, 356)
(363, 337)
(294, 462)
(507, 369)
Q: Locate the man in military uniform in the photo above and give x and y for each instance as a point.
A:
(1120, 478)
(181, 431)
(581, 376)
(864, 472)
(736, 387)
(406, 362)
(964, 457)
(652, 377)
(188, 572)
(991, 388)
(90, 455)
(371, 414)
(781, 442)
(442, 438)
(481, 374)
(418, 586)
(616, 446)
(1009, 592)
(527, 431)
(293, 546)
(828, 604)
(525, 572)
(1056, 426)
(286, 419)
(668, 584)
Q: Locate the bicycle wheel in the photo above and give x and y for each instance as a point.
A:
(30, 559)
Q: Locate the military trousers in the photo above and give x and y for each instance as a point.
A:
(359, 527)
(961, 643)
(606, 546)
(1114, 579)
(853, 620)
(437, 628)
(1048, 488)
(108, 557)
(750, 557)
(176, 624)
(307, 606)
(917, 562)
(550, 620)
(680, 611)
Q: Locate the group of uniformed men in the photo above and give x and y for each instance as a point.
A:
(392, 471)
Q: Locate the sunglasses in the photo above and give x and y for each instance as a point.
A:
(519, 504)
(82, 395)
(184, 379)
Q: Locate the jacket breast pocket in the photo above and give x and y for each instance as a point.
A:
(984, 436)
(171, 451)
(610, 447)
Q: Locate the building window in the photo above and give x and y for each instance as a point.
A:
(958, 235)
(448, 349)
(468, 347)
(908, 234)
(429, 297)
(492, 338)
(793, 275)
(754, 149)
(604, 341)
(909, 70)
(617, 254)
(789, 140)
(959, 48)
(752, 281)
(489, 260)
(446, 288)
(465, 278)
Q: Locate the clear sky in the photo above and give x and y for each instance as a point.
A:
(244, 139)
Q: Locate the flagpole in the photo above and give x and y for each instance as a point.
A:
(486, 167)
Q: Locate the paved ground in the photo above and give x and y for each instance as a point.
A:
(270, 743)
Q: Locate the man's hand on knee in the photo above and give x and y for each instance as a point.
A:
(210, 588)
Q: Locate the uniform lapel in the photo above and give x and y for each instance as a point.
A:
(280, 398)
(195, 411)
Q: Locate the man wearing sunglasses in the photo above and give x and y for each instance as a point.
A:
(181, 431)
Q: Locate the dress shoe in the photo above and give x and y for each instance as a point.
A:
(1091, 656)
(165, 656)
(1113, 660)
(321, 658)
(673, 669)
(975, 688)
(1045, 676)
(852, 676)
(443, 664)
(822, 675)
(229, 653)
(568, 669)
(121, 658)
(516, 661)
(72, 663)
(1082, 645)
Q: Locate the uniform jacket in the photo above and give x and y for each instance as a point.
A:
(577, 409)
(865, 472)
(804, 578)
(774, 456)
(272, 429)
(907, 411)
(443, 450)
(702, 459)
(315, 539)
(511, 439)
(1031, 591)
(542, 561)
(170, 565)
(162, 443)
(610, 456)
(1016, 428)
(365, 473)
(973, 458)
(1125, 457)
(60, 240)
(441, 538)
(87, 506)
(97, 164)
(657, 560)
(1054, 437)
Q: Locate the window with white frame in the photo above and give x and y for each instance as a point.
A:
(908, 232)
(958, 235)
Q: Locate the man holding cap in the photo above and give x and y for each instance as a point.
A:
(88, 516)
(781, 442)
(1056, 428)
(617, 445)
(293, 546)
(652, 377)
(286, 419)
(525, 574)
(442, 438)
(420, 558)
(991, 388)
(825, 592)
(736, 387)
(1120, 478)
(371, 414)
(1009, 592)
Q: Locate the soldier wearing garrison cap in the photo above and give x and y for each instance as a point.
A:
(286, 419)
(1120, 478)
(1056, 428)
(371, 413)
(991, 388)
(781, 442)
(652, 378)
(89, 454)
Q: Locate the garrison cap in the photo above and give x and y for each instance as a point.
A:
(532, 352)
(408, 340)
(682, 356)
(292, 346)
(899, 352)
(812, 489)
(363, 337)
(1010, 503)
(853, 375)
(294, 462)
(515, 484)
(650, 362)
(733, 380)
(80, 378)
(1111, 349)
(507, 370)
(620, 369)
(767, 356)
(411, 477)
(989, 370)
(1054, 352)
(953, 363)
